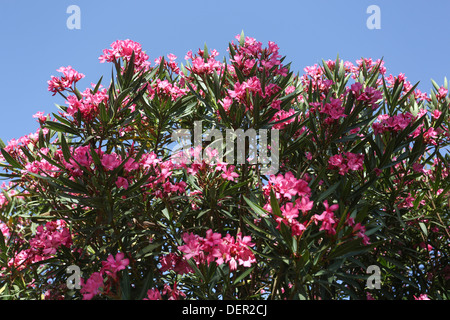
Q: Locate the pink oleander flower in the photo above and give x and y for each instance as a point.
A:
(131, 165)
(93, 286)
(354, 161)
(436, 114)
(281, 115)
(334, 110)
(245, 256)
(286, 186)
(173, 293)
(174, 262)
(122, 183)
(289, 218)
(442, 93)
(124, 49)
(360, 231)
(327, 218)
(3, 227)
(304, 204)
(113, 265)
(235, 252)
(70, 76)
(229, 173)
(395, 123)
(220, 249)
(351, 161)
(40, 116)
(192, 247)
(289, 211)
(153, 294)
(371, 96)
(110, 161)
(430, 135)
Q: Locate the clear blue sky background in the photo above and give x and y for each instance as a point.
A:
(414, 39)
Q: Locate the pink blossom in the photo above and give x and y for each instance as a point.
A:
(304, 204)
(289, 211)
(442, 93)
(192, 247)
(327, 218)
(436, 114)
(360, 231)
(153, 294)
(174, 262)
(281, 115)
(351, 161)
(229, 173)
(371, 96)
(3, 227)
(110, 161)
(122, 183)
(430, 135)
(336, 160)
(92, 287)
(70, 76)
(219, 249)
(113, 265)
(173, 293)
(354, 161)
(124, 49)
(286, 186)
(334, 110)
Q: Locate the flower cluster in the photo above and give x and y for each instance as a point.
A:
(124, 49)
(44, 245)
(369, 95)
(214, 247)
(286, 188)
(395, 123)
(346, 162)
(327, 218)
(87, 105)
(69, 77)
(96, 283)
(203, 63)
(171, 293)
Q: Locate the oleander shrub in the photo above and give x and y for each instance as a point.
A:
(361, 178)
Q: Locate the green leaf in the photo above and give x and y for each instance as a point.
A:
(423, 228)
(129, 71)
(274, 204)
(125, 286)
(324, 195)
(345, 248)
(98, 85)
(64, 148)
(242, 39)
(13, 162)
(3, 248)
(256, 208)
(60, 127)
(243, 275)
(146, 285)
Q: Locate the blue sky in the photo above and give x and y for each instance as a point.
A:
(414, 39)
